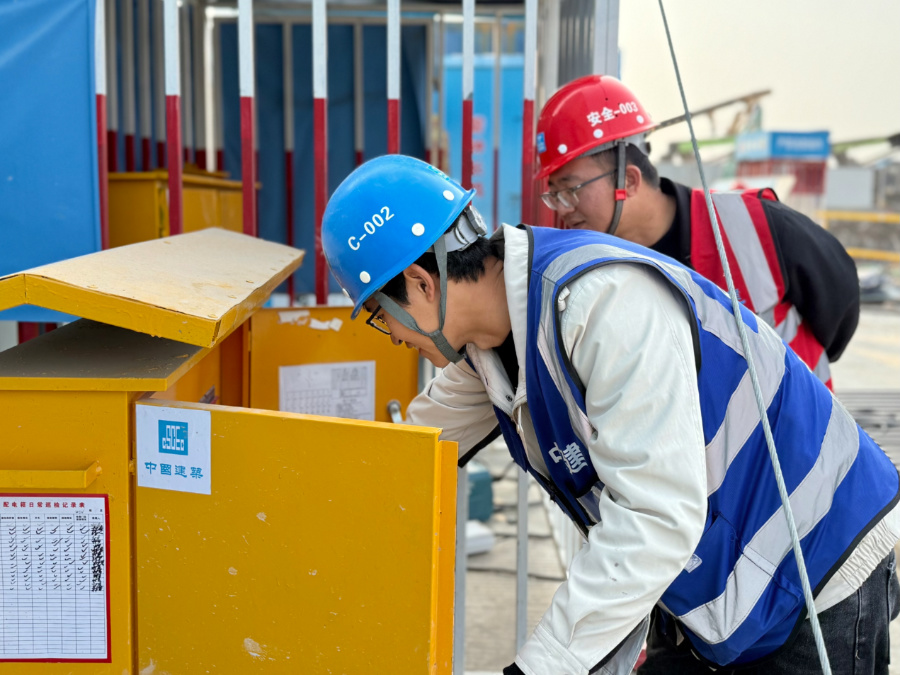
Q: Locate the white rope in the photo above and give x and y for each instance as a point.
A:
(735, 306)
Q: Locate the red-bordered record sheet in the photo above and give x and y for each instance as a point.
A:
(54, 577)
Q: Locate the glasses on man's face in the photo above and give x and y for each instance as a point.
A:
(377, 322)
(568, 198)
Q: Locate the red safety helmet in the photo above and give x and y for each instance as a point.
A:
(592, 111)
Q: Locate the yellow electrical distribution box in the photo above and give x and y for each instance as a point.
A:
(139, 205)
(145, 530)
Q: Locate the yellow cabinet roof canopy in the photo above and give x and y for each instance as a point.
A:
(194, 288)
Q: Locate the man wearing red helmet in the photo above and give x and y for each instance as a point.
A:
(787, 269)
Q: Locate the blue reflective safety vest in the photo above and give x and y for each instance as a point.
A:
(739, 598)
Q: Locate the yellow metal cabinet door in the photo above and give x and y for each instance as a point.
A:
(286, 337)
(325, 546)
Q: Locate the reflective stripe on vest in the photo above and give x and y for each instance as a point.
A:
(755, 267)
(718, 619)
(741, 597)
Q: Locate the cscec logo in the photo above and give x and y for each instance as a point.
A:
(173, 437)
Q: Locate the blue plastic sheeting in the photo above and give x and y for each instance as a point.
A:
(510, 179)
(341, 148)
(49, 201)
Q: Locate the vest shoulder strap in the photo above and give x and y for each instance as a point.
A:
(749, 246)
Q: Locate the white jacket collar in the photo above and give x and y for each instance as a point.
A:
(515, 275)
(486, 362)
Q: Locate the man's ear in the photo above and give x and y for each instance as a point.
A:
(420, 282)
(633, 180)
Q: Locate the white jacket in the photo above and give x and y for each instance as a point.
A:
(628, 337)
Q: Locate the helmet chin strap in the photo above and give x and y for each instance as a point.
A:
(468, 228)
(620, 187)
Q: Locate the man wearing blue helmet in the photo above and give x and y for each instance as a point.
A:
(619, 382)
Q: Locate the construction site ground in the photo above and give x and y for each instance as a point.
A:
(866, 378)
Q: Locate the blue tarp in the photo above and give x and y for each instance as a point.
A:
(49, 202)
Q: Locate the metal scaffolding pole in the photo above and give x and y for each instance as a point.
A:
(100, 79)
(112, 88)
(247, 88)
(393, 75)
(173, 115)
(320, 136)
(468, 86)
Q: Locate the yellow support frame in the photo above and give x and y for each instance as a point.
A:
(193, 288)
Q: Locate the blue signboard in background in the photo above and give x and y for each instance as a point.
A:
(762, 145)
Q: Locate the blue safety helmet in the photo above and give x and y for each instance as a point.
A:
(386, 214)
(383, 217)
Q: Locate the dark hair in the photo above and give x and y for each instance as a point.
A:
(633, 157)
(465, 265)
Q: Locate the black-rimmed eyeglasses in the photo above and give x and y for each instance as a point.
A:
(568, 198)
(377, 322)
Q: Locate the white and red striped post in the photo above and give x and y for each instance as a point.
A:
(187, 87)
(359, 95)
(393, 76)
(199, 84)
(217, 97)
(100, 84)
(173, 115)
(468, 82)
(144, 82)
(320, 137)
(159, 82)
(247, 87)
(287, 43)
(129, 117)
(528, 111)
(112, 87)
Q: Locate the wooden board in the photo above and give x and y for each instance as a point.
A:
(194, 288)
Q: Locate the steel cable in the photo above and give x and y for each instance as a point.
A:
(764, 418)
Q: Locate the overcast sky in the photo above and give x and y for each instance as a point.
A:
(831, 64)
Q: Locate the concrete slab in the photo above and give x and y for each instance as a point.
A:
(872, 359)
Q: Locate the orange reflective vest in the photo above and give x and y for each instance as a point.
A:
(755, 267)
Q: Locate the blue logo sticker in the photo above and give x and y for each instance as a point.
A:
(173, 437)
(541, 143)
